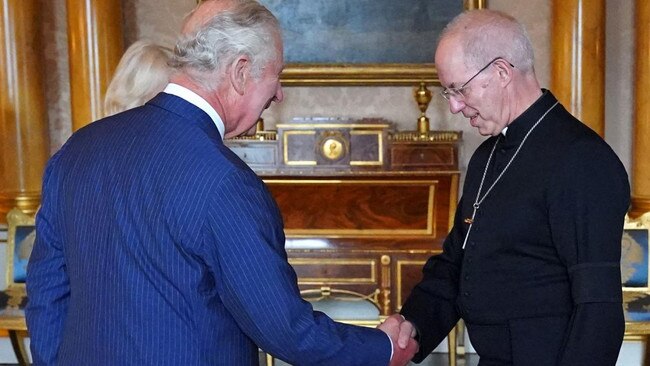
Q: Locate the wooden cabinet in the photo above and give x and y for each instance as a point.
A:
(361, 227)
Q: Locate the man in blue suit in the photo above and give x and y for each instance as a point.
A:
(156, 245)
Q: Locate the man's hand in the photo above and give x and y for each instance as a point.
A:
(401, 333)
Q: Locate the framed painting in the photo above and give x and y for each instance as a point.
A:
(21, 234)
(362, 42)
(635, 267)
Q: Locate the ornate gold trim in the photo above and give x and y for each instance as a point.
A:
(27, 202)
(343, 233)
(311, 126)
(13, 321)
(258, 136)
(380, 148)
(285, 148)
(636, 329)
(415, 136)
(365, 74)
(398, 268)
(453, 200)
(335, 262)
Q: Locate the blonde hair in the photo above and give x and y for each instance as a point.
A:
(142, 73)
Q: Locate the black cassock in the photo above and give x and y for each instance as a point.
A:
(539, 281)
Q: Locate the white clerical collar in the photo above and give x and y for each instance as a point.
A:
(197, 100)
(503, 132)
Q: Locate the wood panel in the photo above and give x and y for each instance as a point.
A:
(364, 233)
(380, 207)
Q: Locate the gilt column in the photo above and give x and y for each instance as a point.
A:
(578, 59)
(24, 134)
(641, 147)
(95, 45)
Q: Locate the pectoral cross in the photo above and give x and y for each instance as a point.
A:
(470, 221)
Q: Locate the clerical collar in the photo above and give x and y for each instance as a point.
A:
(518, 128)
(191, 97)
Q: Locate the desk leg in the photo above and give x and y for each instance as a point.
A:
(451, 344)
(18, 344)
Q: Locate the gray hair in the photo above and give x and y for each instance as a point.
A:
(141, 74)
(247, 29)
(488, 34)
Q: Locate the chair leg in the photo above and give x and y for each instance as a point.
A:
(19, 348)
(451, 344)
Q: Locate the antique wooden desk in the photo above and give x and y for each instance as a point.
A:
(363, 206)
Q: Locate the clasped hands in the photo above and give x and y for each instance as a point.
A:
(402, 334)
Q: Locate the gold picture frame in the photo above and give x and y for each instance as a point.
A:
(21, 234)
(344, 74)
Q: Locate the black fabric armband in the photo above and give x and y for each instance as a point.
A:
(596, 282)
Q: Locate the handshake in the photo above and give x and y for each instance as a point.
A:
(402, 334)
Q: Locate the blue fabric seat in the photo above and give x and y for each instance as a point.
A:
(346, 306)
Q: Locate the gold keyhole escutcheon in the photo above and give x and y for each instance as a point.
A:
(332, 149)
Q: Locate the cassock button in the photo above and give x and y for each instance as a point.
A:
(466, 277)
(466, 294)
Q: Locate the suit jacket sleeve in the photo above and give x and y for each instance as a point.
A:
(244, 248)
(431, 306)
(588, 200)
(48, 287)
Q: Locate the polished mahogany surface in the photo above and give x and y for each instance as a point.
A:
(363, 207)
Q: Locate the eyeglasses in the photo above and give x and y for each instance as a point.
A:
(458, 92)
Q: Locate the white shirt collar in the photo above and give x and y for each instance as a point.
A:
(191, 97)
(505, 129)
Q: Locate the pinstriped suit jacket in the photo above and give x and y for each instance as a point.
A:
(156, 245)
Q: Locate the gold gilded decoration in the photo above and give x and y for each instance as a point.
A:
(285, 147)
(423, 98)
(27, 202)
(437, 136)
(332, 149)
(370, 264)
(385, 283)
(260, 134)
(380, 149)
(399, 269)
(385, 260)
(339, 74)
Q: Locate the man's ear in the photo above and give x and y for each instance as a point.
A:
(505, 71)
(239, 73)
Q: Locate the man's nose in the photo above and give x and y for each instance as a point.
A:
(456, 105)
(279, 94)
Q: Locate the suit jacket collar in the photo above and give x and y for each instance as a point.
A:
(187, 111)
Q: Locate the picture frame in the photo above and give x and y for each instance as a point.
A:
(21, 235)
(342, 69)
(635, 269)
